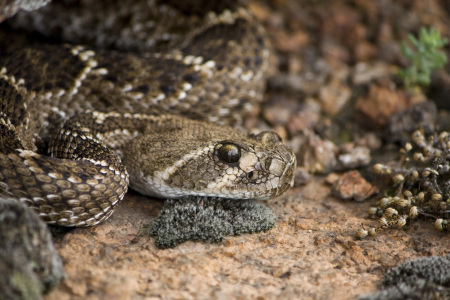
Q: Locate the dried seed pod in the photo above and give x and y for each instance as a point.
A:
(373, 211)
(403, 202)
(408, 147)
(415, 175)
(372, 231)
(361, 233)
(413, 212)
(420, 196)
(436, 197)
(401, 222)
(443, 136)
(381, 169)
(390, 212)
(398, 178)
(418, 156)
(418, 138)
(439, 224)
(384, 202)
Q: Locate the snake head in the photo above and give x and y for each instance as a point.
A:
(211, 161)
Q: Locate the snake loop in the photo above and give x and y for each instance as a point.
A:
(78, 124)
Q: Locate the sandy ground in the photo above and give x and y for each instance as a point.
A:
(312, 254)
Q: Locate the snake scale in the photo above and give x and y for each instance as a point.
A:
(79, 124)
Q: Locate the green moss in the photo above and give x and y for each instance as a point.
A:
(208, 220)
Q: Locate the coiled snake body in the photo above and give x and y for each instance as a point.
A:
(152, 120)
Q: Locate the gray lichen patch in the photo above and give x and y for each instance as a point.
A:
(208, 220)
(29, 264)
(424, 278)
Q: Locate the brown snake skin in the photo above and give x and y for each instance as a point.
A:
(78, 125)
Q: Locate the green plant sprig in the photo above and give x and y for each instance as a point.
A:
(424, 57)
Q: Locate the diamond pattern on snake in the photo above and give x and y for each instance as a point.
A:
(154, 100)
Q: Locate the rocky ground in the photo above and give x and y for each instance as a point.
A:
(334, 96)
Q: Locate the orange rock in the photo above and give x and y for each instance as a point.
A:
(352, 185)
(375, 109)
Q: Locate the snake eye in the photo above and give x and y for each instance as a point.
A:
(229, 153)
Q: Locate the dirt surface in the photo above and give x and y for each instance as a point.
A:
(312, 254)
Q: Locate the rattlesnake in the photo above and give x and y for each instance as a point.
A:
(154, 120)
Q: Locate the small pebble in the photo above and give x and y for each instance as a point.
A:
(352, 186)
(301, 176)
(317, 155)
(355, 158)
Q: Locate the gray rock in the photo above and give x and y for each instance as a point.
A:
(355, 158)
(29, 264)
(402, 124)
(9, 8)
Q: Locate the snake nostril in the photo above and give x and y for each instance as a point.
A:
(252, 175)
